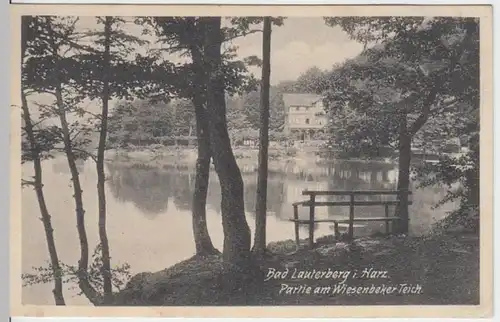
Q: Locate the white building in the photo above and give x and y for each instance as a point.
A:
(304, 115)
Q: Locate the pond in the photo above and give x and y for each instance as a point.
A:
(149, 211)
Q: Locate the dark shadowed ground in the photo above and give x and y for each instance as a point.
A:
(441, 269)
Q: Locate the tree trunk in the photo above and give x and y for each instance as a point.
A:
(261, 202)
(101, 176)
(46, 218)
(403, 175)
(38, 186)
(235, 226)
(83, 263)
(202, 240)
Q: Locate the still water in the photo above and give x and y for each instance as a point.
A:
(149, 218)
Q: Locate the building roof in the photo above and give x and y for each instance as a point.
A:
(294, 99)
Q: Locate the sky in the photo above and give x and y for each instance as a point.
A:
(297, 45)
(301, 43)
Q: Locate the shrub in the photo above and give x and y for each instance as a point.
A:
(120, 275)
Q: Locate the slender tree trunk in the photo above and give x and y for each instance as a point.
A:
(83, 263)
(37, 167)
(235, 227)
(403, 174)
(101, 176)
(203, 243)
(46, 218)
(261, 203)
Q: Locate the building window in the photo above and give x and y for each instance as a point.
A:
(307, 121)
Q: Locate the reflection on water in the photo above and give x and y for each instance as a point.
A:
(148, 189)
(152, 189)
(149, 216)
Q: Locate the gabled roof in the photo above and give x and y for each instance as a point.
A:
(294, 99)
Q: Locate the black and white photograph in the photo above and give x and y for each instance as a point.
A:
(253, 161)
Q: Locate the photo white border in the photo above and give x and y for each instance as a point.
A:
(334, 311)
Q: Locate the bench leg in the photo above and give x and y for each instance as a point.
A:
(336, 230)
(296, 217)
(297, 239)
(311, 222)
(387, 231)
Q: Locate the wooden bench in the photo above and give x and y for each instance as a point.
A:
(312, 203)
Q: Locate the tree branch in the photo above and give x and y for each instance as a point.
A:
(425, 113)
(244, 34)
(97, 116)
(37, 123)
(426, 108)
(87, 153)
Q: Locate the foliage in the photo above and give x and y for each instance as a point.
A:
(44, 274)
(361, 133)
(418, 66)
(235, 114)
(49, 67)
(144, 122)
(426, 69)
(459, 174)
(179, 35)
(183, 117)
(46, 139)
(78, 59)
(182, 35)
(313, 81)
(251, 106)
(139, 122)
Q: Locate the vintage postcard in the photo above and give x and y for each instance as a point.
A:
(251, 161)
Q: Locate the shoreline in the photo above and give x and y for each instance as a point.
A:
(247, 158)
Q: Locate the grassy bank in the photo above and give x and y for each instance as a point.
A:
(434, 270)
